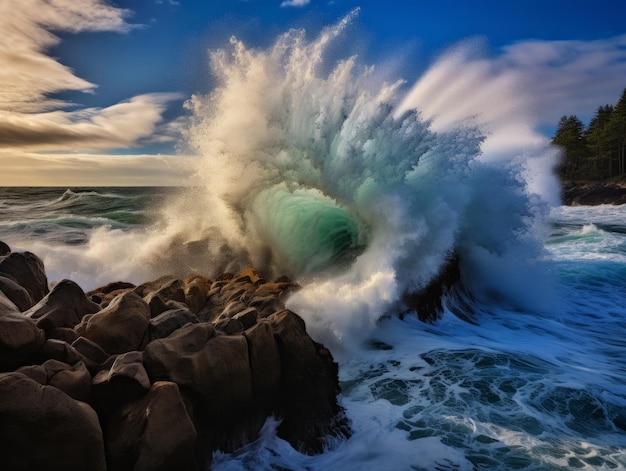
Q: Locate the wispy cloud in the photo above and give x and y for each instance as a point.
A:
(569, 77)
(29, 118)
(295, 3)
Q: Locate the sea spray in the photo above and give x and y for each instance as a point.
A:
(327, 174)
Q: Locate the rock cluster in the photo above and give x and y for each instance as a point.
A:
(156, 376)
(591, 193)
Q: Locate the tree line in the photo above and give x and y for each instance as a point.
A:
(596, 151)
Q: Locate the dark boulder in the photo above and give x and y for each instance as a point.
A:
(16, 293)
(120, 327)
(44, 428)
(64, 306)
(20, 338)
(28, 271)
(153, 433)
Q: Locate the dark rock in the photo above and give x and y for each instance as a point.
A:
(308, 388)
(73, 380)
(126, 380)
(120, 327)
(54, 349)
(4, 249)
(170, 288)
(90, 353)
(229, 326)
(216, 367)
(155, 303)
(44, 428)
(28, 271)
(153, 433)
(115, 286)
(265, 361)
(247, 317)
(428, 302)
(17, 294)
(165, 324)
(64, 306)
(62, 333)
(20, 338)
(591, 193)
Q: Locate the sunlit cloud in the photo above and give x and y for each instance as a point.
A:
(32, 121)
(123, 125)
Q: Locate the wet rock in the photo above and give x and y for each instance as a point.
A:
(308, 388)
(120, 327)
(153, 433)
(165, 324)
(64, 306)
(28, 271)
(20, 338)
(44, 428)
(17, 294)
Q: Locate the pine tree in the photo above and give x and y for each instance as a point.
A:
(616, 134)
(570, 136)
(598, 142)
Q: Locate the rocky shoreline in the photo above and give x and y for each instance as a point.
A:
(591, 193)
(156, 376)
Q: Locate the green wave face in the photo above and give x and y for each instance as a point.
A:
(308, 232)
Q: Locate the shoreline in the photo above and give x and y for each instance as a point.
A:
(594, 192)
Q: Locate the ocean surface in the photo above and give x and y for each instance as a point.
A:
(360, 186)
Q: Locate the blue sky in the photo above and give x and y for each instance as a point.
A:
(92, 91)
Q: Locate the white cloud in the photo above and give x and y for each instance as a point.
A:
(295, 3)
(569, 77)
(31, 121)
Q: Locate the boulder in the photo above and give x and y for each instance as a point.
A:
(64, 306)
(153, 433)
(4, 249)
(54, 349)
(19, 336)
(90, 353)
(73, 380)
(126, 380)
(155, 303)
(308, 388)
(168, 322)
(44, 428)
(28, 271)
(265, 361)
(16, 293)
(120, 327)
(216, 367)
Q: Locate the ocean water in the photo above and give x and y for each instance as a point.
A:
(360, 188)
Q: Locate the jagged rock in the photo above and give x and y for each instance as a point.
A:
(126, 380)
(265, 360)
(214, 366)
(16, 293)
(168, 287)
(308, 388)
(90, 353)
(64, 306)
(54, 349)
(196, 293)
(166, 323)
(28, 271)
(155, 303)
(44, 428)
(247, 317)
(153, 433)
(73, 380)
(19, 336)
(120, 327)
